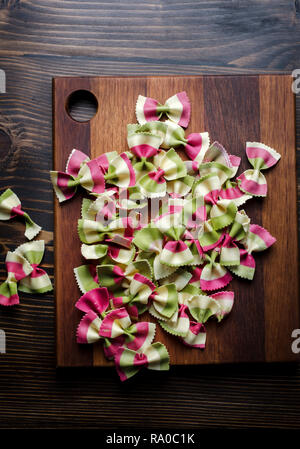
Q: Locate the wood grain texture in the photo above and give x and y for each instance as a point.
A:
(233, 109)
(277, 126)
(236, 33)
(43, 39)
(68, 134)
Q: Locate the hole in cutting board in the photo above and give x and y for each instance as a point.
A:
(82, 105)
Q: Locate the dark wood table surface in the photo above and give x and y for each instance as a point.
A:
(40, 39)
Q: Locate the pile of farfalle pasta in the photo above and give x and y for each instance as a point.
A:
(162, 233)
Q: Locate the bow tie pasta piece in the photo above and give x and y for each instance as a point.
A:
(88, 331)
(214, 276)
(193, 144)
(144, 145)
(231, 191)
(196, 336)
(177, 108)
(145, 140)
(80, 170)
(136, 336)
(91, 175)
(175, 252)
(164, 301)
(154, 357)
(17, 268)
(112, 276)
(10, 207)
(217, 305)
(230, 251)
(120, 231)
(150, 240)
(257, 239)
(208, 237)
(120, 172)
(139, 292)
(38, 280)
(222, 212)
(22, 267)
(261, 157)
(169, 167)
(202, 307)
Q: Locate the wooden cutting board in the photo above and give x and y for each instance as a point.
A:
(233, 109)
